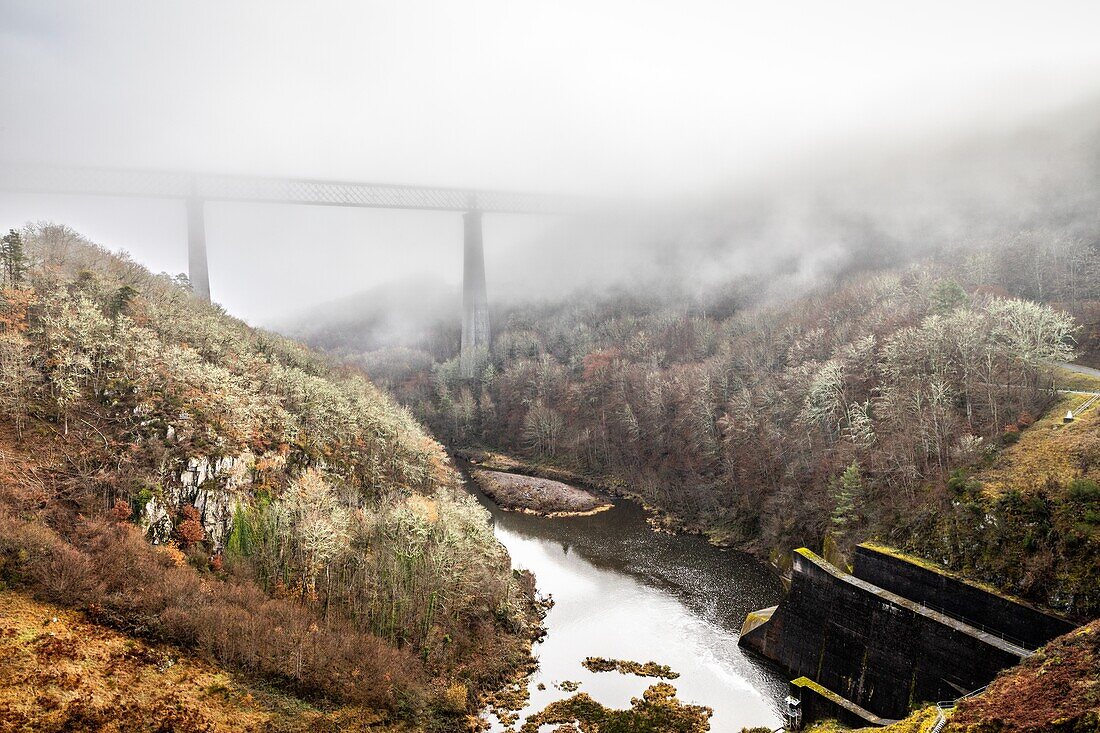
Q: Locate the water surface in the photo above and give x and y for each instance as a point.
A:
(623, 591)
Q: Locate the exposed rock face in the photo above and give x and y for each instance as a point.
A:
(157, 521)
(212, 485)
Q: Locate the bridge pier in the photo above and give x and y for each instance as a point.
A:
(475, 302)
(197, 269)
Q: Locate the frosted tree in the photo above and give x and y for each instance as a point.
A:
(317, 522)
(17, 378)
(860, 429)
(825, 401)
(542, 428)
(73, 336)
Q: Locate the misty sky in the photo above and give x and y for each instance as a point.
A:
(616, 97)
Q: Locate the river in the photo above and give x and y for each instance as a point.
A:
(623, 591)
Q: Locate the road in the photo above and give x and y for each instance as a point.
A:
(1079, 368)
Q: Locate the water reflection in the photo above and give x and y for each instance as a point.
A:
(625, 592)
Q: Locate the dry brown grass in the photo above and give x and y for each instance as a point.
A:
(70, 674)
(1057, 689)
(1066, 379)
(1048, 452)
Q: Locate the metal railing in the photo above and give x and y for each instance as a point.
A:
(1025, 645)
(944, 705)
(1085, 405)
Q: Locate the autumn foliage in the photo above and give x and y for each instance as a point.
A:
(189, 530)
(312, 564)
(99, 564)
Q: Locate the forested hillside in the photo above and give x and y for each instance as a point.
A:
(853, 412)
(182, 477)
(816, 362)
(867, 407)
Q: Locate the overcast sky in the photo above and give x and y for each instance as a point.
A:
(628, 96)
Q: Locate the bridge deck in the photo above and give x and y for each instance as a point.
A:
(314, 192)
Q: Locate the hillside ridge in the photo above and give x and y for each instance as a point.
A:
(184, 478)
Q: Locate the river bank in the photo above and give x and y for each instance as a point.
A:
(534, 495)
(658, 519)
(624, 592)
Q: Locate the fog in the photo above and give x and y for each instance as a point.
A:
(758, 136)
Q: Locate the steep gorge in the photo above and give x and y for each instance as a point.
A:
(182, 477)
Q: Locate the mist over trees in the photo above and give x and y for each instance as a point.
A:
(808, 222)
(774, 389)
(775, 275)
(846, 411)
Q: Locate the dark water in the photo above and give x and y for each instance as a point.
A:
(625, 592)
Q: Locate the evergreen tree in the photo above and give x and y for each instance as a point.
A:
(119, 300)
(12, 257)
(947, 295)
(847, 494)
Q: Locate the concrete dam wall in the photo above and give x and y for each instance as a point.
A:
(936, 588)
(878, 648)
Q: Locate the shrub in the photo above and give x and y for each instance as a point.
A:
(962, 485)
(1084, 491)
(190, 532)
(235, 621)
(957, 481)
(32, 555)
(122, 511)
(140, 499)
(454, 698)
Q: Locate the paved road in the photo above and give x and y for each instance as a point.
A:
(1079, 368)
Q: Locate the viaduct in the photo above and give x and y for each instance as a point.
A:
(195, 189)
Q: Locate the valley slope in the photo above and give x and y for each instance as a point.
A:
(189, 481)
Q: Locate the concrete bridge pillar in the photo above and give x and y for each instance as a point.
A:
(475, 302)
(196, 248)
